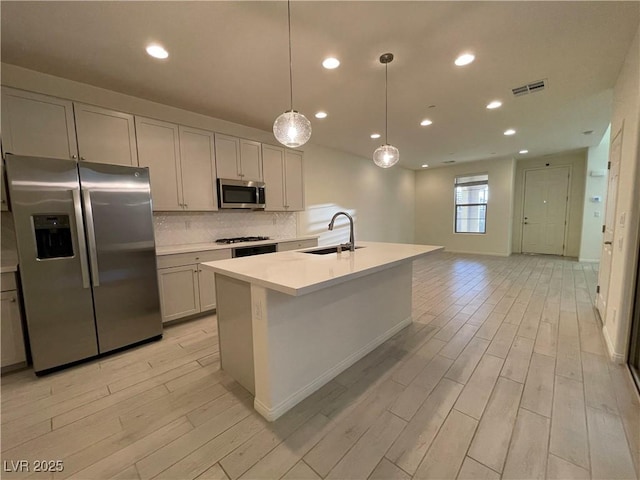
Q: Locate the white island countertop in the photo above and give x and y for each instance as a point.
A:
(297, 273)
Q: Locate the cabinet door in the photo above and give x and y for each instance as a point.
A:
(250, 160)
(206, 279)
(179, 292)
(273, 170)
(105, 136)
(37, 125)
(227, 156)
(4, 205)
(294, 181)
(11, 332)
(159, 149)
(197, 158)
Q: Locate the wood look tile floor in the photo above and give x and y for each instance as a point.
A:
(503, 374)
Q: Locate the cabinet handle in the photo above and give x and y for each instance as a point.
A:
(82, 158)
(185, 205)
(74, 156)
(13, 300)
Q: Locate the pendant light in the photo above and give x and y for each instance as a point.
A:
(292, 128)
(386, 155)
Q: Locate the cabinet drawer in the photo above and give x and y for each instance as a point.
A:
(295, 245)
(8, 281)
(180, 259)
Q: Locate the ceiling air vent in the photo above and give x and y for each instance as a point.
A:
(529, 88)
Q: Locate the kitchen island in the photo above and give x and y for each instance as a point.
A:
(289, 322)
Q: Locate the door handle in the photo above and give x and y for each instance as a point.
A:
(526, 223)
(91, 237)
(82, 245)
(607, 243)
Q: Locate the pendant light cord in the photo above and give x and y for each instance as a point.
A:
(290, 63)
(386, 103)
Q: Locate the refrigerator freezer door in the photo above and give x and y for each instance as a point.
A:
(121, 246)
(45, 200)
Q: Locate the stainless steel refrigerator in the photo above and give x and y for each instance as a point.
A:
(86, 257)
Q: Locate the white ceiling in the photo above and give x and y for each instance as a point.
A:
(229, 60)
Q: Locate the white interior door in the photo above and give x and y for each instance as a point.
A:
(604, 271)
(546, 193)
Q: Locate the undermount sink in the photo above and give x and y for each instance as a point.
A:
(327, 250)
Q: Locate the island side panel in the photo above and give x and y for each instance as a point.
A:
(234, 329)
(302, 342)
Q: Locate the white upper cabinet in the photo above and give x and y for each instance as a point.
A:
(273, 167)
(293, 181)
(250, 160)
(37, 125)
(159, 149)
(227, 156)
(283, 179)
(105, 136)
(237, 158)
(198, 163)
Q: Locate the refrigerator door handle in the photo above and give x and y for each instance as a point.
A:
(82, 246)
(91, 237)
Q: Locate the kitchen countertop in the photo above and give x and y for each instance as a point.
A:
(9, 262)
(201, 247)
(297, 273)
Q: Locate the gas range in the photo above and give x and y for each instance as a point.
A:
(240, 239)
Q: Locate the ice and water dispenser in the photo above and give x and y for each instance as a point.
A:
(53, 236)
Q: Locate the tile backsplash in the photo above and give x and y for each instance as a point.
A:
(184, 228)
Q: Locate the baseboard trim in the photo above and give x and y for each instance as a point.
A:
(493, 254)
(613, 355)
(274, 413)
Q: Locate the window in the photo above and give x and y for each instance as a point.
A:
(472, 193)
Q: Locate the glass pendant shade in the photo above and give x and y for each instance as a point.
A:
(292, 129)
(386, 156)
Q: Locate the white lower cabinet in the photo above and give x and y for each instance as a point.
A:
(186, 288)
(12, 347)
(297, 244)
(179, 292)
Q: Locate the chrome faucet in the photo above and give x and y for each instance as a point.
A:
(352, 244)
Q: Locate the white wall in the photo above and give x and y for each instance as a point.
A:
(593, 212)
(381, 201)
(626, 113)
(435, 207)
(575, 160)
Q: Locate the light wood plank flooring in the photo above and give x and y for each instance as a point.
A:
(503, 374)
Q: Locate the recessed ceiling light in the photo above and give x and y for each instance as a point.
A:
(465, 59)
(330, 63)
(375, 135)
(425, 165)
(156, 51)
(426, 122)
(511, 131)
(494, 104)
(522, 152)
(321, 115)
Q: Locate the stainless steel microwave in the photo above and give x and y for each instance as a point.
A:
(240, 194)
